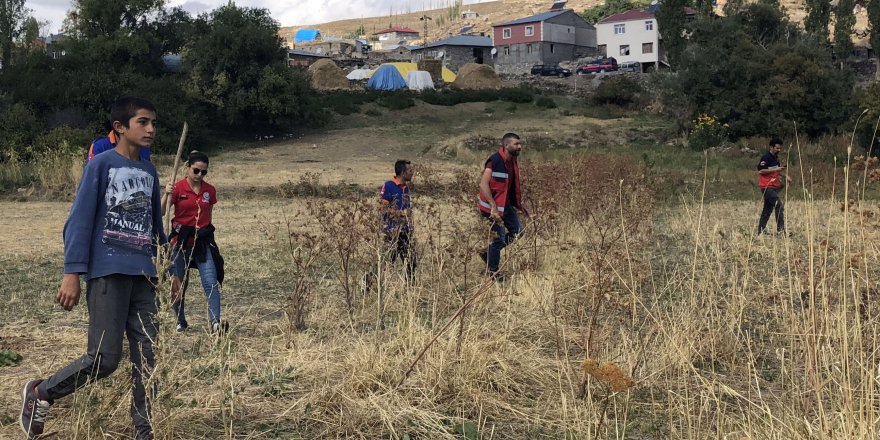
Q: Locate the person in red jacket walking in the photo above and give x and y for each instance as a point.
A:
(501, 198)
(770, 175)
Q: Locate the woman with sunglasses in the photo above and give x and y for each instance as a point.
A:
(192, 239)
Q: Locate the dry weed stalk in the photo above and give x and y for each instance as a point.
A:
(304, 250)
(347, 226)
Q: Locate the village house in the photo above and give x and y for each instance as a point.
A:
(302, 58)
(633, 36)
(394, 36)
(546, 38)
(469, 15)
(458, 51)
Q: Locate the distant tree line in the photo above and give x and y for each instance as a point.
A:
(232, 75)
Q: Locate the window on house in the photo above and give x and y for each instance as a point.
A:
(528, 48)
(624, 50)
(619, 29)
(551, 48)
(506, 50)
(647, 47)
(603, 49)
(530, 31)
(649, 25)
(505, 33)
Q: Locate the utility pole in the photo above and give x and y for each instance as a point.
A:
(424, 19)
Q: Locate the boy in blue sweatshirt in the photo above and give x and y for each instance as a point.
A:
(110, 239)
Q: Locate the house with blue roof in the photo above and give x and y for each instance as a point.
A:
(307, 35)
(457, 51)
(547, 38)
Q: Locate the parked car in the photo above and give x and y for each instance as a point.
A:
(630, 66)
(601, 65)
(550, 70)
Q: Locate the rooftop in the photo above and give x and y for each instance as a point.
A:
(400, 30)
(535, 18)
(632, 14)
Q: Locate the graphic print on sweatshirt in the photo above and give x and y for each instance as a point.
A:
(129, 220)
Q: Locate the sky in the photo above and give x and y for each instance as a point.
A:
(286, 12)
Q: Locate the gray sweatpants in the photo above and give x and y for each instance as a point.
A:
(118, 305)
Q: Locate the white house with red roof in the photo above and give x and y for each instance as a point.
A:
(633, 36)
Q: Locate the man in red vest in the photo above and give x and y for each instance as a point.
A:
(500, 198)
(770, 175)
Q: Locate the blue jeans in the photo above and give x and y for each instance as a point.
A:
(505, 232)
(208, 274)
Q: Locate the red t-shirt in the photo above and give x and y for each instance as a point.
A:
(191, 209)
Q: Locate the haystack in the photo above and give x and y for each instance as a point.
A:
(326, 75)
(477, 76)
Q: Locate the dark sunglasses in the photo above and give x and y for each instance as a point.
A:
(197, 171)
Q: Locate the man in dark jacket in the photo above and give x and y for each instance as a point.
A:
(770, 175)
(501, 197)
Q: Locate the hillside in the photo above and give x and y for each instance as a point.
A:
(489, 14)
(501, 11)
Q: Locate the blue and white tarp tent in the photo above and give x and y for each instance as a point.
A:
(386, 77)
(306, 35)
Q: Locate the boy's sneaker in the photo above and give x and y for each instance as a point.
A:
(219, 327)
(33, 410)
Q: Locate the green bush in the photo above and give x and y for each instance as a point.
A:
(449, 97)
(397, 100)
(520, 95)
(707, 132)
(619, 90)
(64, 139)
(869, 99)
(19, 127)
(341, 103)
(545, 102)
(440, 97)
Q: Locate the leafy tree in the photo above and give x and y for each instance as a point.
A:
(844, 20)
(756, 72)
(96, 18)
(31, 31)
(238, 68)
(130, 33)
(818, 17)
(873, 7)
(671, 20)
(12, 17)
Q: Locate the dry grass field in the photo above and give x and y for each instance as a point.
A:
(626, 315)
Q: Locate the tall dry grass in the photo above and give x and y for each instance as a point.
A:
(53, 172)
(620, 320)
